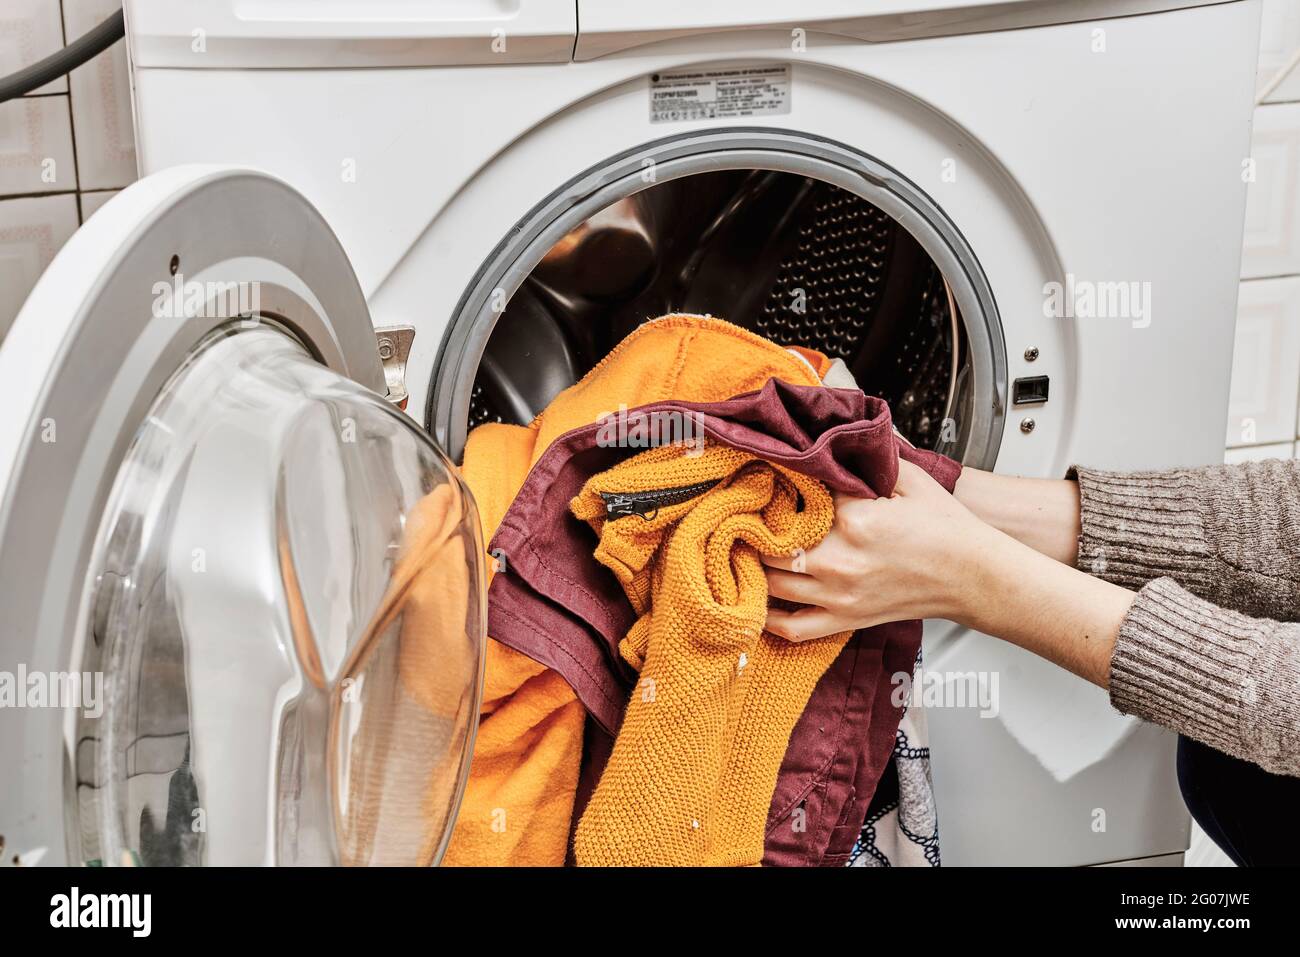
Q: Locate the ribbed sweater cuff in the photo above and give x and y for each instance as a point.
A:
(1211, 674)
(1136, 527)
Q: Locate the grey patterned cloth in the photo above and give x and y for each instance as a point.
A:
(902, 825)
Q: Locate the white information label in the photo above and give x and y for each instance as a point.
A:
(721, 94)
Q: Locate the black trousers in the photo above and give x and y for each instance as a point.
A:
(1248, 812)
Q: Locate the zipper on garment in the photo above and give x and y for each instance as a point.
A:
(647, 504)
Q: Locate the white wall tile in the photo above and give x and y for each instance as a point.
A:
(1279, 39)
(36, 146)
(101, 104)
(90, 202)
(1265, 370)
(30, 30)
(1272, 240)
(31, 232)
(1255, 453)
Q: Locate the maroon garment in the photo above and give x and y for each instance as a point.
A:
(560, 606)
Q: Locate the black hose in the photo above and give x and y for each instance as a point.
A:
(64, 61)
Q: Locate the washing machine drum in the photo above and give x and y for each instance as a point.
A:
(800, 261)
(245, 593)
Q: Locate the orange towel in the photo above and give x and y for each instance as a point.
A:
(518, 804)
(691, 776)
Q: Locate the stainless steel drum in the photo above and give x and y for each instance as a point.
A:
(800, 261)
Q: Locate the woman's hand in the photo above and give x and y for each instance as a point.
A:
(921, 553)
(911, 555)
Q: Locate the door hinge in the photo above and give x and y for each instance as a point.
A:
(394, 344)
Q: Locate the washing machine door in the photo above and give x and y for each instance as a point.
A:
(243, 601)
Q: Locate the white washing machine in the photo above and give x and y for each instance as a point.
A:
(204, 499)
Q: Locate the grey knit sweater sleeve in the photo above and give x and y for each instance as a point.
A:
(1205, 649)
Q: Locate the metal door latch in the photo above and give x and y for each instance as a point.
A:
(394, 344)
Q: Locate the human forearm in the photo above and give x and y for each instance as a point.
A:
(1226, 533)
(1040, 513)
(1166, 656)
(1014, 592)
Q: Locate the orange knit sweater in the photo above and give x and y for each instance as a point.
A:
(518, 804)
(691, 776)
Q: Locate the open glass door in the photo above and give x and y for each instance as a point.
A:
(244, 592)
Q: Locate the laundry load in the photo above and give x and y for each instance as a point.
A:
(518, 803)
(559, 616)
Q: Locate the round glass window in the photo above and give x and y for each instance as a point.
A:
(288, 615)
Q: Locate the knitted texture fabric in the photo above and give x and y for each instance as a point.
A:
(691, 776)
(518, 804)
(1201, 650)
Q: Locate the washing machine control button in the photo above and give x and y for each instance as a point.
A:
(1029, 390)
